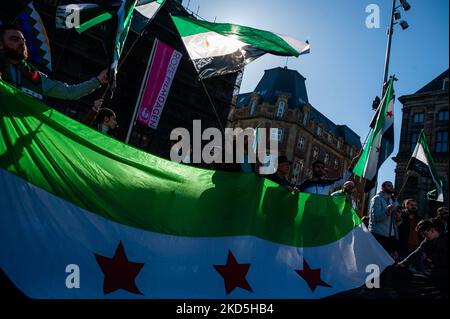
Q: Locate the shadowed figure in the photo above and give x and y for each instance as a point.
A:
(9, 160)
(280, 207)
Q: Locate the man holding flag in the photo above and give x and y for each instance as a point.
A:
(120, 13)
(15, 70)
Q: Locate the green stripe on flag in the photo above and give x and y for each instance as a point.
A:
(261, 39)
(131, 187)
(97, 20)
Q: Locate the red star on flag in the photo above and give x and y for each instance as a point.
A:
(119, 272)
(234, 274)
(311, 276)
(390, 114)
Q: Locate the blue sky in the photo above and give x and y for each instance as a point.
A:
(344, 70)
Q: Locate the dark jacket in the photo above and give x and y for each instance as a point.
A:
(436, 250)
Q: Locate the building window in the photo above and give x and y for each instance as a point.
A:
(445, 84)
(298, 167)
(338, 145)
(280, 111)
(319, 131)
(350, 151)
(253, 107)
(442, 142)
(276, 134)
(418, 118)
(330, 138)
(305, 119)
(315, 152)
(443, 116)
(326, 159)
(336, 163)
(414, 137)
(301, 143)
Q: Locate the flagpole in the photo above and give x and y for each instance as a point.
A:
(141, 93)
(144, 32)
(408, 173)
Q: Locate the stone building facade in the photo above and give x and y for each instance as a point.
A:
(426, 109)
(304, 134)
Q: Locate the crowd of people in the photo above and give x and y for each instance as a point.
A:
(420, 245)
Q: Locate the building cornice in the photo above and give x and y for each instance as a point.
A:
(405, 98)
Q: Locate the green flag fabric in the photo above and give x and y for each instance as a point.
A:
(73, 196)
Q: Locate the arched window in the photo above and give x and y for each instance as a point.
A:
(336, 163)
(301, 143)
(253, 107)
(315, 152)
(280, 110)
(319, 131)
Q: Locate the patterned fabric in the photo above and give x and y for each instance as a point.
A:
(33, 29)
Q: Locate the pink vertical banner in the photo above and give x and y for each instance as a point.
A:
(159, 79)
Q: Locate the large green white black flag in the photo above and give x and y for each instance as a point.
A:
(422, 162)
(221, 48)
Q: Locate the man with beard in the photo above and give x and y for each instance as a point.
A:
(409, 238)
(384, 218)
(319, 184)
(441, 220)
(15, 70)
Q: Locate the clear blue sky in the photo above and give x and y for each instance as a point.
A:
(344, 70)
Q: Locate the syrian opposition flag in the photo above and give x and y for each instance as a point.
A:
(221, 48)
(422, 163)
(117, 33)
(30, 23)
(81, 17)
(144, 13)
(380, 142)
(84, 16)
(86, 216)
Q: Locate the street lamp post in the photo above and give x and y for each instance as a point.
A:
(395, 17)
(390, 31)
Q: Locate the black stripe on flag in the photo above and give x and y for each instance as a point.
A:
(419, 167)
(230, 63)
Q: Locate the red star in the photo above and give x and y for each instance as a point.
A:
(390, 114)
(119, 272)
(311, 276)
(234, 274)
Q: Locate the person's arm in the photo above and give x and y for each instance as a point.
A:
(341, 180)
(64, 91)
(89, 118)
(379, 213)
(416, 253)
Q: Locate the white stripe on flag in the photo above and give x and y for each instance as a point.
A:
(300, 46)
(40, 234)
(211, 44)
